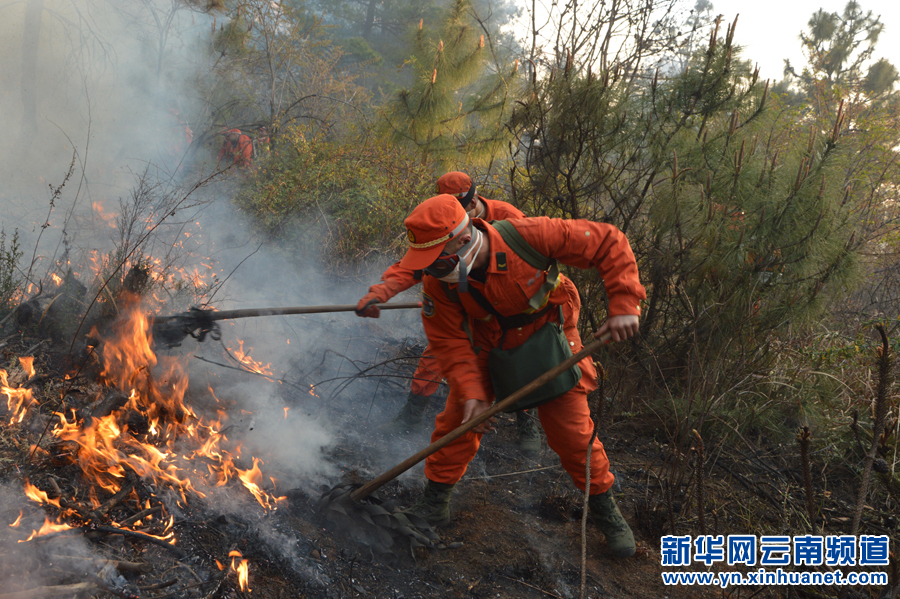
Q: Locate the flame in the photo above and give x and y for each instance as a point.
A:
(251, 479)
(18, 520)
(106, 217)
(153, 434)
(251, 364)
(242, 568)
(17, 400)
(56, 279)
(47, 528)
(35, 494)
(27, 365)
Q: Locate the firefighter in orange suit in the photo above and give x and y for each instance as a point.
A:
(472, 279)
(236, 148)
(396, 279)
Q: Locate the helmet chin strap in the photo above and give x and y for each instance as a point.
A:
(477, 240)
(461, 270)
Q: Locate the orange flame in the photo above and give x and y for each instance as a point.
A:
(250, 363)
(106, 449)
(106, 217)
(251, 479)
(17, 400)
(27, 365)
(47, 528)
(242, 568)
(35, 494)
(18, 520)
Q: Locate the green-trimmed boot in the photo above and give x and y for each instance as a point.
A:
(606, 515)
(434, 504)
(529, 434)
(409, 418)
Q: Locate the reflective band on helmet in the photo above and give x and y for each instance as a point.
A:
(459, 229)
(428, 244)
(467, 199)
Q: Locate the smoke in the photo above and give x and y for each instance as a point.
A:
(57, 557)
(102, 89)
(95, 85)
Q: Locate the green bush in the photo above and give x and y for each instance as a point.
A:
(353, 194)
(10, 254)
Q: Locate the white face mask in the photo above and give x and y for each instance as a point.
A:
(460, 273)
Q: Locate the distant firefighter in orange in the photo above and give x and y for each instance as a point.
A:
(237, 148)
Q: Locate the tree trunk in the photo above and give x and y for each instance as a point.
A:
(370, 20)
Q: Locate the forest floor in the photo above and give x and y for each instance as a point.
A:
(515, 533)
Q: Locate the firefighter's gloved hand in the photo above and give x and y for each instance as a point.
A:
(366, 307)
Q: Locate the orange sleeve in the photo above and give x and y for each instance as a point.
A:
(443, 321)
(586, 244)
(394, 280)
(222, 150)
(497, 210)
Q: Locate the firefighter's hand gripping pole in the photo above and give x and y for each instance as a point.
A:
(376, 483)
(171, 330)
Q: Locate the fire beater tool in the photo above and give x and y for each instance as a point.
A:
(198, 323)
(384, 528)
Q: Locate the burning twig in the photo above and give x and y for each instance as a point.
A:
(111, 530)
(141, 515)
(113, 501)
(137, 535)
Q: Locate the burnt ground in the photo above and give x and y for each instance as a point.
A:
(519, 522)
(516, 530)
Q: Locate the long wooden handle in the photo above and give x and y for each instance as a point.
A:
(375, 484)
(250, 312)
(228, 314)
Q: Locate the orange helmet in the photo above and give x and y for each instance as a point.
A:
(459, 185)
(429, 227)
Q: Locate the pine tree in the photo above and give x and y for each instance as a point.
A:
(742, 212)
(839, 49)
(452, 111)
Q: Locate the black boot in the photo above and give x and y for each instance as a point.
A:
(434, 504)
(410, 416)
(529, 435)
(606, 515)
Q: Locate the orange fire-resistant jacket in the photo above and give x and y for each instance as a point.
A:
(396, 279)
(510, 284)
(241, 152)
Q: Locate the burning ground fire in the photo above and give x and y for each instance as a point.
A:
(18, 400)
(145, 433)
(241, 568)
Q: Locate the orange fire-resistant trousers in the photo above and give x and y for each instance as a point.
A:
(567, 424)
(428, 375)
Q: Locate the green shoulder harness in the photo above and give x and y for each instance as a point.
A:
(512, 369)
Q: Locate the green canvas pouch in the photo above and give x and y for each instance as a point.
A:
(512, 369)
